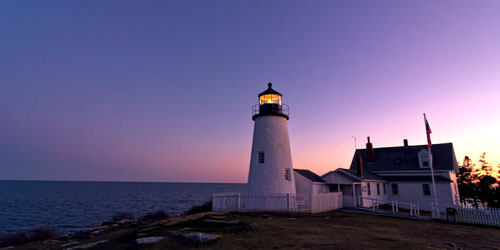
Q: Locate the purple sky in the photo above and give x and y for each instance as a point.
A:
(162, 90)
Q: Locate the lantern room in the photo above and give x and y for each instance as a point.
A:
(270, 99)
(270, 96)
(270, 103)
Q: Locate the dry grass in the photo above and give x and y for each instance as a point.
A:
(336, 230)
(350, 231)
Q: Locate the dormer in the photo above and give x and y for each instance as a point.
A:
(423, 159)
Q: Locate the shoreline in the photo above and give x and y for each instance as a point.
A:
(226, 230)
(117, 222)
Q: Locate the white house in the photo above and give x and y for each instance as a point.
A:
(399, 173)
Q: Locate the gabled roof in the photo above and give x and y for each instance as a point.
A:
(366, 175)
(416, 178)
(346, 175)
(309, 175)
(406, 158)
(352, 176)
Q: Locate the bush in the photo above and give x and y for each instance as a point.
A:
(158, 215)
(122, 216)
(205, 207)
(20, 238)
(42, 233)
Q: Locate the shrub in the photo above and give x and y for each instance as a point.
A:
(122, 216)
(205, 207)
(42, 233)
(14, 239)
(20, 238)
(158, 215)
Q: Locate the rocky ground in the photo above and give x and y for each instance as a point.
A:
(335, 230)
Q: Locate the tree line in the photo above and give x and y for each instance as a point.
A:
(478, 184)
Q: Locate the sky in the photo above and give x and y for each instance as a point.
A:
(163, 90)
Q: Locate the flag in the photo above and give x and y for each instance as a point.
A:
(428, 131)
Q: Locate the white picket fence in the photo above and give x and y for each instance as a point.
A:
(280, 203)
(296, 203)
(483, 216)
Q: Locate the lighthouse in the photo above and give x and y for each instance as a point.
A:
(271, 170)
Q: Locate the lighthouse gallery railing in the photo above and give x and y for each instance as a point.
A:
(283, 109)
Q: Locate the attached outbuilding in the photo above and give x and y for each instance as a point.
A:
(309, 183)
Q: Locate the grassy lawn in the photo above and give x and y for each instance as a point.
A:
(335, 230)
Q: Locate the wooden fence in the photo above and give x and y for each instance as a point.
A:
(281, 203)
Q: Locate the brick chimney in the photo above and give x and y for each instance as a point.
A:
(405, 151)
(370, 157)
(359, 165)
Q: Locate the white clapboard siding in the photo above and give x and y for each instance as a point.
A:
(280, 203)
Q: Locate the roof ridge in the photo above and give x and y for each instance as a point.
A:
(410, 146)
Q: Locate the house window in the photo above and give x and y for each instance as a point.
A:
(369, 189)
(425, 161)
(427, 189)
(261, 157)
(287, 174)
(378, 188)
(423, 158)
(395, 189)
(384, 188)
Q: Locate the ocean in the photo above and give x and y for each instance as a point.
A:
(70, 206)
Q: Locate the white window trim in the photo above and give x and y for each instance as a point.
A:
(424, 153)
(263, 157)
(288, 175)
(430, 190)
(392, 189)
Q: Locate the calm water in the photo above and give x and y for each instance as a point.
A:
(71, 206)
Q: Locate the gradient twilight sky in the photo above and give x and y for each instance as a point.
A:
(163, 90)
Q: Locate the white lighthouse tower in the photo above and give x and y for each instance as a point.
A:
(271, 170)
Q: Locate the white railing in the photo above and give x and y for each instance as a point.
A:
(281, 203)
(376, 204)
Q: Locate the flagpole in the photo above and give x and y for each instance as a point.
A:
(431, 164)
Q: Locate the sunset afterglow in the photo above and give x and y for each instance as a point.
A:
(163, 91)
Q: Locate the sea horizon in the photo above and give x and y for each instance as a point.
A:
(71, 206)
(186, 182)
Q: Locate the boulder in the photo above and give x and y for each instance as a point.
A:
(201, 237)
(89, 245)
(148, 229)
(69, 243)
(222, 221)
(125, 221)
(254, 226)
(148, 240)
(97, 232)
(217, 217)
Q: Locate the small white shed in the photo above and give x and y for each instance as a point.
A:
(309, 183)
